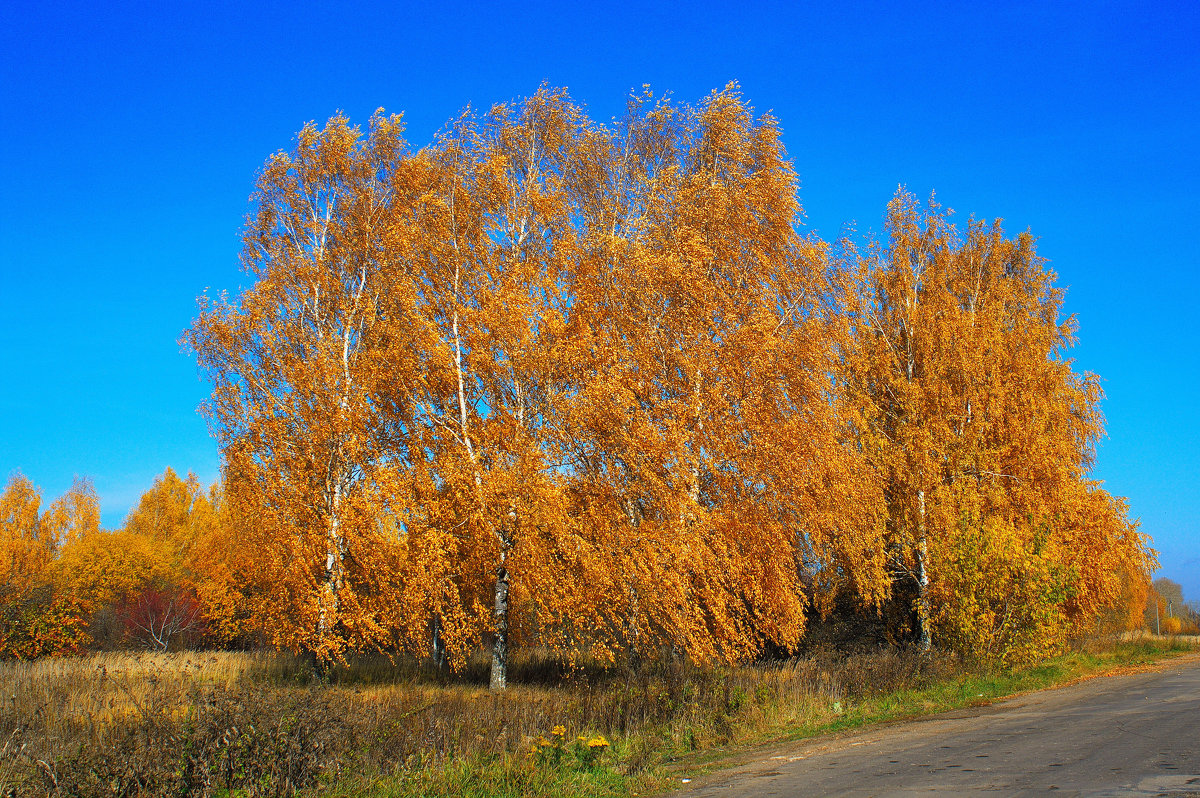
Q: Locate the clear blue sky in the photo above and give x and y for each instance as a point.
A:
(130, 134)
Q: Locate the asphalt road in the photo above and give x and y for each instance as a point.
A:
(1132, 734)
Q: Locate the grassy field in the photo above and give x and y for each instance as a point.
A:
(261, 724)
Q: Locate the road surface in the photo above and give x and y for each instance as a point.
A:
(1132, 734)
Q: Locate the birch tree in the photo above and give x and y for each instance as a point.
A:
(504, 313)
(983, 435)
(587, 386)
(294, 361)
(25, 550)
(704, 438)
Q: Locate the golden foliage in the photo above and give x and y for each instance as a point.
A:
(581, 369)
(36, 619)
(105, 569)
(984, 436)
(72, 516)
(548, 381)
(25, 551)
(295, 366)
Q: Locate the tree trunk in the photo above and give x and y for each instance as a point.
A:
(438, 646)
(319, 663)
(329, 603)
(500, 643)
(632, 626)
(926, 634)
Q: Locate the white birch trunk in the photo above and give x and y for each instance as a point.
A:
(330, 599)
(923, 609)
(499, 675)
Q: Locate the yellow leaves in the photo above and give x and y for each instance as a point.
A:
(1000, 590)
(25, 551)
(983, 435)
(104, 569)
(597, 370)
(73, 515)
(156, 548)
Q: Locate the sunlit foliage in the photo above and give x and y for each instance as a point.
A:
(984, 436)
(37, 618)
(587, 387)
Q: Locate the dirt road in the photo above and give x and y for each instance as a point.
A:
(1133, 734)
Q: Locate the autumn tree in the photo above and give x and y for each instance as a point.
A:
(552, 380)
(176, 515)
(587, 386)
(706, 452)
(25, 550)
(435, 343)
(71, 516)
(486, 298)
(112, 572)
(173, 513)
(295, 361)
(35, 617)
(983, 434)
(106, 570)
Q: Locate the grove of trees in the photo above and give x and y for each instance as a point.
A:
(585, 386)
(66, 584)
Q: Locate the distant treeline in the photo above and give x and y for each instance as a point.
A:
(589, 387)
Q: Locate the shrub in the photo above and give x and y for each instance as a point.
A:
(38, 623)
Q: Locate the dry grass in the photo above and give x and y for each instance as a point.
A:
(261, 724)
(150, 724)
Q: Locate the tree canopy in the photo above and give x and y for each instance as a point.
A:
(589, 386)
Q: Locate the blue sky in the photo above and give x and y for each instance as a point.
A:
(130, 135)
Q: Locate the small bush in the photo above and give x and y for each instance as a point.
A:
(39, 623)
